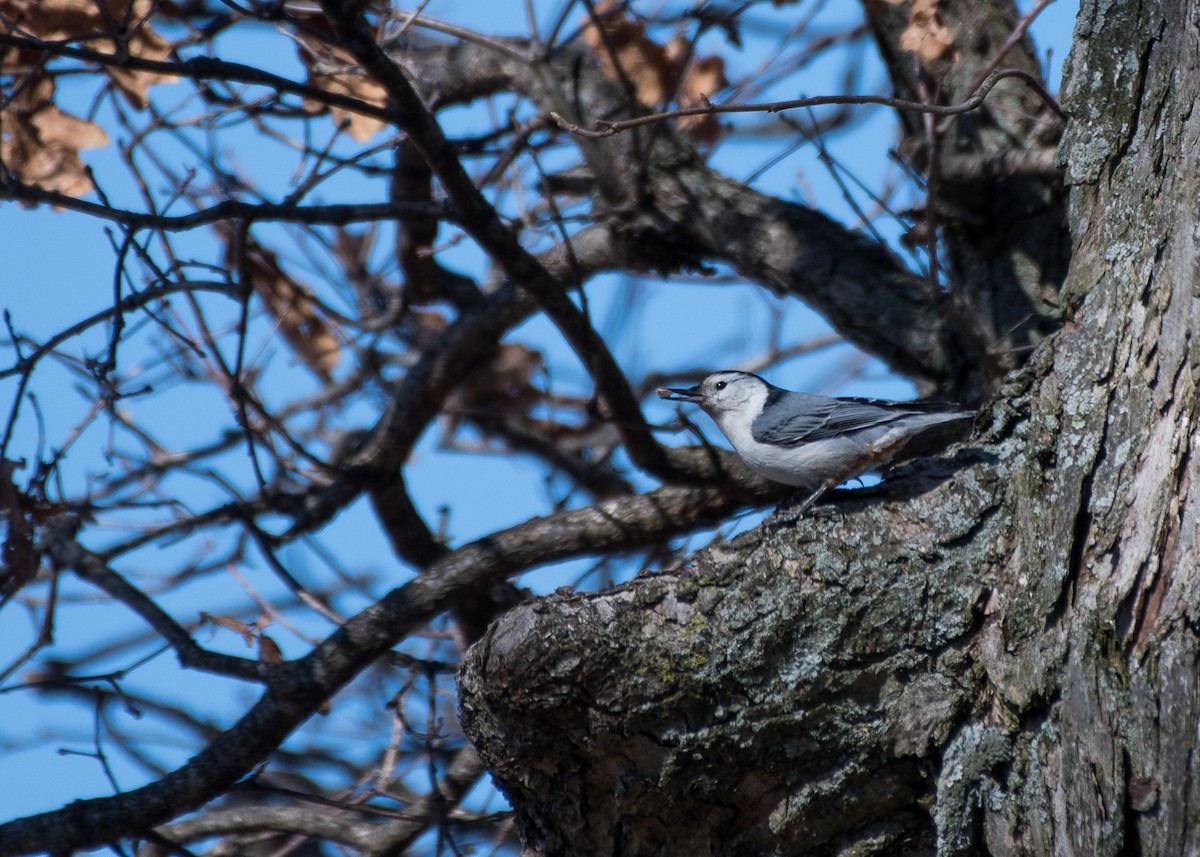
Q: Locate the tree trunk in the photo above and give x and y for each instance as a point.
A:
(995, 652)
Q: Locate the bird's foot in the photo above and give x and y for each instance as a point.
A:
(812, 498)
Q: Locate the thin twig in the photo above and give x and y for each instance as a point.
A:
(313, 215)
(606, 128)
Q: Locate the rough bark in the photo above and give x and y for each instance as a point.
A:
(759, 698)
(996, 653)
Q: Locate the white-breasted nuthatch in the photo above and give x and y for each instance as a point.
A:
(817, 442)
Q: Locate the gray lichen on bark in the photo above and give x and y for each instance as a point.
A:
(787, 686)
(971, 778)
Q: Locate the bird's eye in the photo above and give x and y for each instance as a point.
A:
(720, 385)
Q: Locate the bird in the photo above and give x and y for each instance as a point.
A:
(817, 442)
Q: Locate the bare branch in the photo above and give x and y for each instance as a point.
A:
(59, 544)
(300, 687)
(606, 128)
(197, 68)
(231, 209)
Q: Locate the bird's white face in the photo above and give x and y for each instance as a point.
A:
(724, 392)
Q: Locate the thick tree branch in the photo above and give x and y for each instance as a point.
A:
(981, 168)
(759, 699)
(337, 825)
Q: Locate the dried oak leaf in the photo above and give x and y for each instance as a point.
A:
(268, 650)
(926, 34)
(656, 73)
(702, 77)
(502, 388)
(245, 630)
(41, 144)
(334, 70)
(294, 310)
(623, 49)
(105, 23)
(507, 380)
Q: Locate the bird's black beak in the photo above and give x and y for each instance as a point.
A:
(675, 394)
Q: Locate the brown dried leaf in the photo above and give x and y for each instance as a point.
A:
(703, 78)
(424, 327)
(268, 651)
(299, 322)
(353, 252)
(135, 85)
(513, 370)
(353, 248)
(335, 71)
(306, 331)
(66, 20)
(506, 382)
(41, 144)
(243, 629)
(927, 35)
(657, 73)
(502, 388)
(623, 47)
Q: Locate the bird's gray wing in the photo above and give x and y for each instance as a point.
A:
(794, 418)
